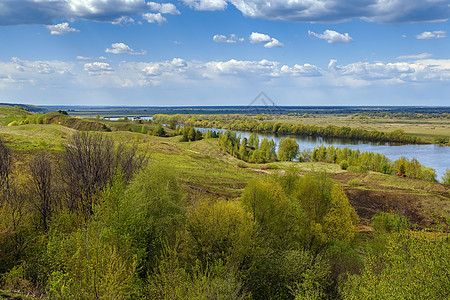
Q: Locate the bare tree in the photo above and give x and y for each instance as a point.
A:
(88, 164)
(41, 176)
(5, 170)
(129, 160)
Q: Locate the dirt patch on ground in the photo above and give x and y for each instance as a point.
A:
(421, 202)
(369, 202)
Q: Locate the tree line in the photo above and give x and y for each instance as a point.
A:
(245, 123)
(254, 151)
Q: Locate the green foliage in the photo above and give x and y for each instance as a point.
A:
(414, 266)
(278, 219)
(386, 222)
(441, 140)
(154, 212)
(354, 182)
(446, 177)
(245, 123)
(251, 150)
(386, 168)
(190, 134)
(171, 280)
(220, 231)
(343, 164)
(357, 169)
(159, 130)
(288, 149)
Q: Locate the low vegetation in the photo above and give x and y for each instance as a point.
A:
(172, 215)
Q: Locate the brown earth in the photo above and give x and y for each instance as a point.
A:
(421, 202)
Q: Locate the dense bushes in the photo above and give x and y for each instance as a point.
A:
(287, 237)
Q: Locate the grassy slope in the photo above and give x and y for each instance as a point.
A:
(208, 173)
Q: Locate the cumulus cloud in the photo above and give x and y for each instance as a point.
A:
(274, 43)
(208, 5)
(121, 48)
(123, 20)
(155, 18)
(382, 11)
(269, 42)
(61, 29)
(96, 67)
(332, 36)
(415, 56)
(17, 74)
(427, 35)
(164, 8)
(45, 12)
(232, 39)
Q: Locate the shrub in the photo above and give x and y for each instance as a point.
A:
(241, 164)
(357, 169)
(389, 222)
(355, 182)
(344, 165)
(386, 168)
(446, 177)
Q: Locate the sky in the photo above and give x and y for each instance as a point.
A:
(217, 52)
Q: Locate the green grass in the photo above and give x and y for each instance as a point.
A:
(206, 172)
(426, 129)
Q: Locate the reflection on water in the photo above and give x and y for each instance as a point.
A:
(434, 156)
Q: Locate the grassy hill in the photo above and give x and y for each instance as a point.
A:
(207, 172)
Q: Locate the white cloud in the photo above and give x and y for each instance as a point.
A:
(61, 29)
(123, 20)
(168, 68)
(219, 38)
(427, 35)
(79, 57)
(155, 18)
(274, 43)
(164, 8)
(303, 70)
(332, 36)
(46, 12)
(100, 76)
(382, 11)
(95, 68)
(121, 48)
(208, 5)
(256, 37)
(415, 56)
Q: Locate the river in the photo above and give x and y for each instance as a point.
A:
(434, 156)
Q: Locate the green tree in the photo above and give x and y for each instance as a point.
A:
(220, 231)
(413, 266)
(288, 149)
(446, 177)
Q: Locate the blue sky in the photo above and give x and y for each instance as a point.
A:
(216, 52)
